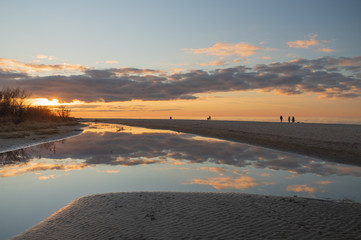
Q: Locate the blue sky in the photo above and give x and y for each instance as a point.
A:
(152, 34)
(195, 50)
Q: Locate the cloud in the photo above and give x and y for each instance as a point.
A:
(109, 62)
(324, 182)
(41, 56)
(227, 49)
(328, 77)
(242, 183)
(266, 57)
(18, 66)
(328, 50)
(12, 171)
(304, 44)
(301, 188)
(110, 171)
(214, 169)
(46, 177)
(218, 62)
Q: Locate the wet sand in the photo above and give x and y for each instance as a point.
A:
(167, 215)
(340, 143)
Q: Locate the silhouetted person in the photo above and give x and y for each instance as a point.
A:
(209, 118)
(281, 118)
(293, 119)
(170, 118)
(289, 119)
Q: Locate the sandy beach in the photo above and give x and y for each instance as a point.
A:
(34, 137)
(340, 143)
(167, 215)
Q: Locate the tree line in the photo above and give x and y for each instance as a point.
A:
(15, 108)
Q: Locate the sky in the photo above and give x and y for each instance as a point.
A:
(186, 59)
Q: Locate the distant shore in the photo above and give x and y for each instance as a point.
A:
(336, 142)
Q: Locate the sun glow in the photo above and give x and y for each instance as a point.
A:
(53, 102)
(46, 102)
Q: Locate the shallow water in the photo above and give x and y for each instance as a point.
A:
(37, 181)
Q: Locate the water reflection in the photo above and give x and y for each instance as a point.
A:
(25, 154)
(37, 181)
(122, 145)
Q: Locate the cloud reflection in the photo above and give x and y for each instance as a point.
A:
(301, 188)
(15, 170)
(151, 147)
(227, 182)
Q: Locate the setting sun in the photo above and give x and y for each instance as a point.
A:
(45, 102)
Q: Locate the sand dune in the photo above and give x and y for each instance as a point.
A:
(337, 142)
(164, 215)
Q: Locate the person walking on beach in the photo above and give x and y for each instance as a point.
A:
(281, 118)
(293, 119)
(289, 119)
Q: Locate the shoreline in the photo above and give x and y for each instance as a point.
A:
(179, 215)
(44, 135)
(339, 143)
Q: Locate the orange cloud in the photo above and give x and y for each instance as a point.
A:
(12, 171)
(243, 182)
(112, 171)
(328, 50)
(301, 188)
(41, 56)
(324, 182)
(46, 177)
(228, 49)
(304, 44)
(219, 62)
(214, 169)
(109, 62)
(14, 65)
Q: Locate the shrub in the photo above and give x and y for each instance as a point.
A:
(13, 107)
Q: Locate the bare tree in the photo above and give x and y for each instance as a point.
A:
(63, 113)
(12, 103)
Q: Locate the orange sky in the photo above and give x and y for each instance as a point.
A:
(222, 106)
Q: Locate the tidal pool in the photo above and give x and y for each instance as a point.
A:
(37, 181)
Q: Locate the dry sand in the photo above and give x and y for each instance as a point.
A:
(162, 215)
(336, 142)
(34, 137)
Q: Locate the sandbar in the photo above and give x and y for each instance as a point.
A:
(340, 143)
(39, 136)
(174, 215)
